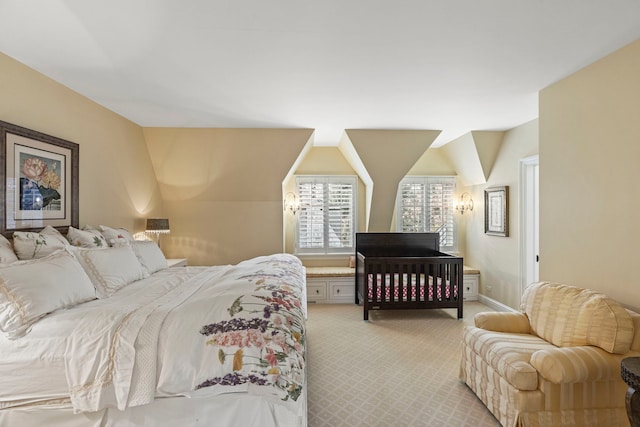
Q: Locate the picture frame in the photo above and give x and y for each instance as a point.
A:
(39, 175)
(496, 211)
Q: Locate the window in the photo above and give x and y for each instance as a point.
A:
(425, 204)
(326, 220)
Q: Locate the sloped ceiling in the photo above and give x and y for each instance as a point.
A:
(473, 155)
(387, 156)
(231, 165)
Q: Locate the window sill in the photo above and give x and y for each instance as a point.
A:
(324, 256)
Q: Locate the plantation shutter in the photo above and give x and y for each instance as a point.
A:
(425, 204)
(326, 221)
(311, 219)
(340, 214)
(413, 204)
(441, 219)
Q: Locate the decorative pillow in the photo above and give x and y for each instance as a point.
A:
(31, 289)
(7, 255)
(116, 235)
(32, 245)
(149, 255)
(110, 269)
(86, 238)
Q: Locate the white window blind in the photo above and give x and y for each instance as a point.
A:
(326, 220)
(425, 204)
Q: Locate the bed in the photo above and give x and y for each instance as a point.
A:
(397, 271)
(113, 337)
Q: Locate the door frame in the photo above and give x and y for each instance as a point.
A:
(529, 226)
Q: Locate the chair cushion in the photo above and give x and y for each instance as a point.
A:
(568, 316)
(508, 354)
(505, 321)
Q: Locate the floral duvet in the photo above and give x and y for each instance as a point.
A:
(228, 329)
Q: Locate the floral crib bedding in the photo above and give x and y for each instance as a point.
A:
(412, 287)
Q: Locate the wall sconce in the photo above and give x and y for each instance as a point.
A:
(464, 203)
(157, 226)
(291, 203)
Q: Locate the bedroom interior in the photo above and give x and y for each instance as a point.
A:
(222, 187)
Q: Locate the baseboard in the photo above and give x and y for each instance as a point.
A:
(490, 302)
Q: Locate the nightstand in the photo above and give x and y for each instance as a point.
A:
(177, 262)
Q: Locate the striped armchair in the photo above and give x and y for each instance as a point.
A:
(555, 363)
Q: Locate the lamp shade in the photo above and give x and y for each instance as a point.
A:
(157, 225)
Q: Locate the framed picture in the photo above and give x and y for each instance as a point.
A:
(496, 211)
(39, 180)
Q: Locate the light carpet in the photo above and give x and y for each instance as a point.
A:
(398, 369)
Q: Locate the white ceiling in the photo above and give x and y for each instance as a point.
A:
(450, 65)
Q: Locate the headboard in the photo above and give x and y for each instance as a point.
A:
(397, 244)
(9, 234)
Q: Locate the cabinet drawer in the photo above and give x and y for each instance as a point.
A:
(316, 291)
(335, 289)
(338, 290)
(470, 292)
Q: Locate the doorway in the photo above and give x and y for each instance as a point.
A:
(529, 220)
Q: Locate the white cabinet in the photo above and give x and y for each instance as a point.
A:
(470, 283)
(331, 289)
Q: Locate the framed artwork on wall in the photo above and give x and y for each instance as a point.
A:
(496, 211)
(39, 180)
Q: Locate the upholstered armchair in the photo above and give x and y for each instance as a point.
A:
(554, 363)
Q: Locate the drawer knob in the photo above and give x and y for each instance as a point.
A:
(337, 291)
(317, 291)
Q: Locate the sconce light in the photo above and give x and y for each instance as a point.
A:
(291, 203)
(157, 226)
(464, 203)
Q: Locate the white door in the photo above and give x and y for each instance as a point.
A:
(529, 202)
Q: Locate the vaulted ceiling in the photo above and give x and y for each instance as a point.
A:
(454, 66)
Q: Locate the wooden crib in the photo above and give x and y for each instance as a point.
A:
(406, 271)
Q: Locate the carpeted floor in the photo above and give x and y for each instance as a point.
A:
(398, 369)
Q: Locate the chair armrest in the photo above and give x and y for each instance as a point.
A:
(511, 322)
(577, 364)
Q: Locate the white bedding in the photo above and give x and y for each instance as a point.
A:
(101, 355)
(226, 410)
(41, 354)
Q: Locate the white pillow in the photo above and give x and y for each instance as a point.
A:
(32, 245)
(31, 289)
(116, 235)
(110, 269)
(86, 238)
(7, 255)
(149, 255)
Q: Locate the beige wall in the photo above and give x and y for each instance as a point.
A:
(434, 161)
(117, 183)
(589, 175)
(498, 258)
(223, 189)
